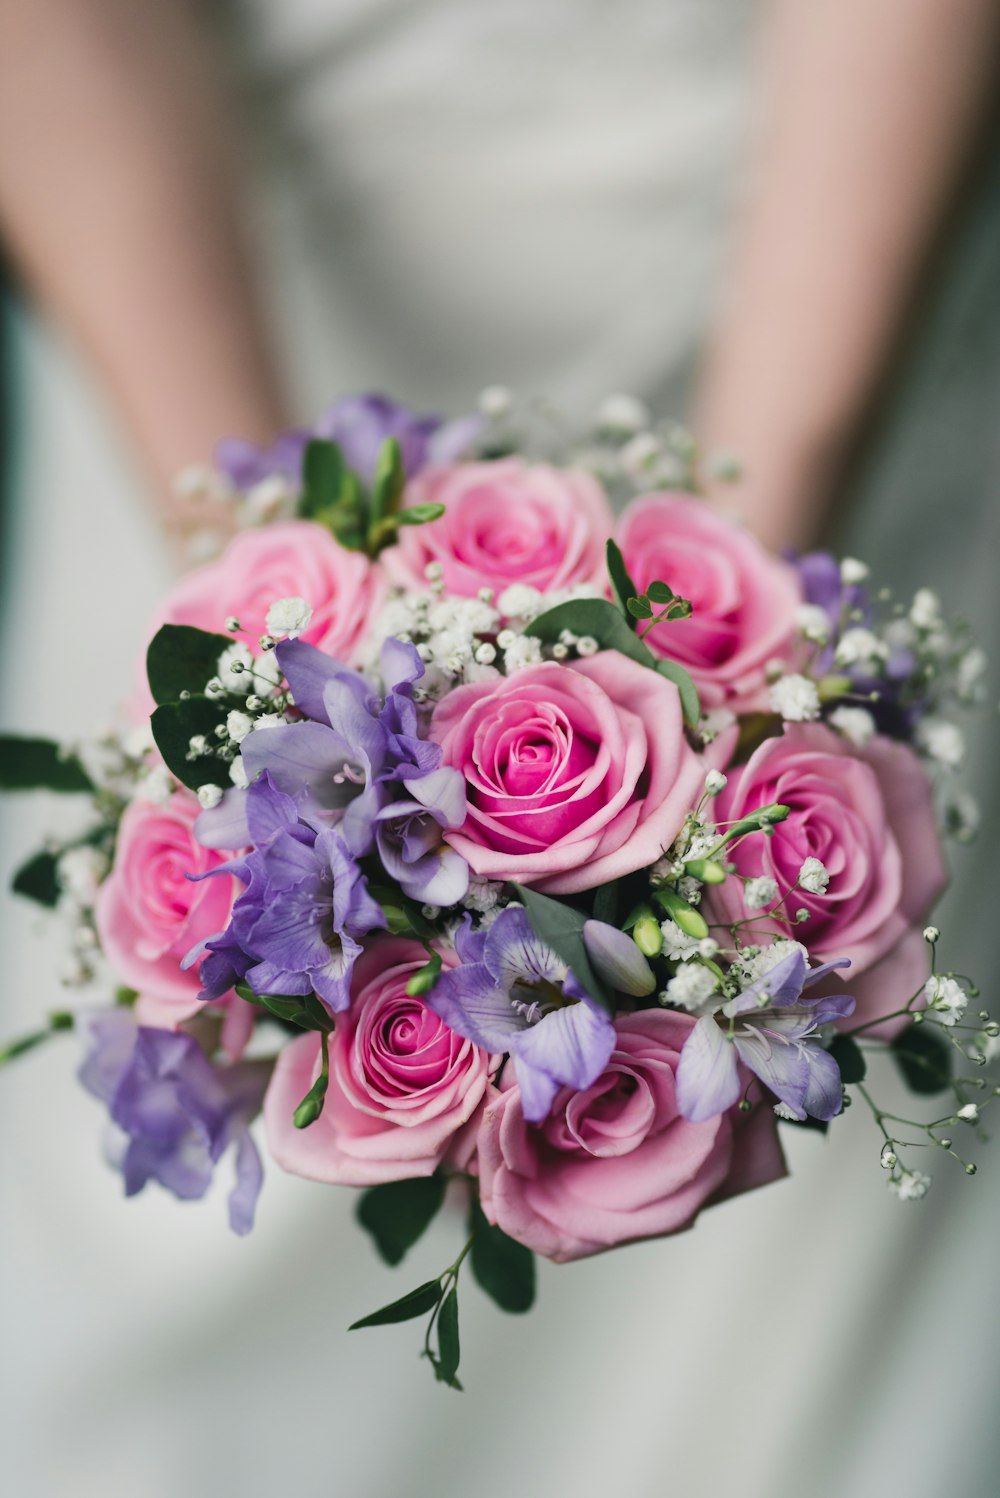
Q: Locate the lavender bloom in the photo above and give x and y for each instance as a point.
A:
(772, 1030)
(359, 424)
(512, 993)
(408, 835)
(823, 586)
(174, 1113)
(295, 929)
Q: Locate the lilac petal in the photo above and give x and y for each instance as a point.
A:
(249, 1179)
(299, 757)
(289, 932)
(365, 738)
(287, 863)
(332, 981)
(442, 792)
(617, 959)
(572, 1044)
(267, 977)
(225, 825)
(470, 941)
(439, 879)
(815, 973)
(708, 1074)
(110, 1036)
(782, 985)
(830, 1007)
(454, 439)
(308, 671)
(537, 1088)
(824, 1095)
(471, 1004)
(514, 954)
(781, 1065)
(400, 664)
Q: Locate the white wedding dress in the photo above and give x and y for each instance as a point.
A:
(534, 192)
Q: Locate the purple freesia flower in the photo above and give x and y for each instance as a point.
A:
(174, 1112)
(408, 835)
(295, 929)
(359, 424)
(512, 993)
(772, 1030)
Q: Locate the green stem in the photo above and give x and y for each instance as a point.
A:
(60, 1020)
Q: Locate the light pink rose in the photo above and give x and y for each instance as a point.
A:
(867, 816)
(506, 522)
(617, 1162)
(149, 914)
(745, 599)
(405, 1093)
(575, 774)
(296, 559)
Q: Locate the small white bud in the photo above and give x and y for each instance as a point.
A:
(209, 796)
(795, 699)
(715, 783)
(758, 893)
(495, 401)
(238, 774)
(968, 1113)
(288, 617)
(852, 571)
(814, 877)
(238, 725)
(932, 934)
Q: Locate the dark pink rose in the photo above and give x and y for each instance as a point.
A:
(575, 774)
(745, 600)
(405, 1092)
(150, 914)
(617, 1162)
(505, 522)
(867, 816)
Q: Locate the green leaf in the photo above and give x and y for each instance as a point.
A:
(404, 917)
(924, 1057)
(304, 1010)
(420, 514)
(389, 481)
(30, 764)
(818, 1125)
(398, 1213)
(322, 476)
(503, 1268)
(183, 659)
(606, 903)
(449, 1351)
(424, 1298)
(174, 724)
(384, 534)
(639, 608)
(622, 585)
(850, 1059)
(38, 880)
(561, 927)
(659, 591)
(690, 701)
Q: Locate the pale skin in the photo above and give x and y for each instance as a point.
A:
(119, 203)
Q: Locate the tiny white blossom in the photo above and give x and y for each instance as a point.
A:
(689, 889)
(209, 796)
(238, 725)
(288, 616)
(677, 945)
(81, 871)
(932, 934)
(715, 783)
(755, 963)
(925, 610)
(482, 894)
(520, 601)
(968, 1113)
(587, 645)
(267, 671)
(795, 699)
(238, 774)
(268, 720)
(623, 414)
(852, 571)
(691, 987)
(759, 892)
(782, 1110)
(911, 1186)
(639, 455)
(814, 877)
(946, 998)
(970, 673)
(855, 723)
(137, 741)
(522, 651)
(813, 622)
(495, 401)
(486, 654)
(269, 498)
(861, 647)
(714, 723)
(156, 786)
(235, 667)
(962, 816)
(942, 741)
(708, 947)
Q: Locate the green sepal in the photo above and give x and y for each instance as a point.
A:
(561, 928)
(388, 483)
(398, 1213)
(850, 1059)
(924, 1057)
(38, 880)
(503, 1268)
(449, 1351)
(175, 724)
(180, 659)
(622, 586)
(36, 764)
(419, 1301)
(424, 978)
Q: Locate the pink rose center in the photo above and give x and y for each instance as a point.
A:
(613, 1117)
(404, 1049)
(502, 532)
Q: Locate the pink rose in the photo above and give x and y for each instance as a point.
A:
(150, 914)
(745, 600)
(297, 559)
(617, 1162)
(506, 522)
(405, 1092)
(575, 774)
(867, 816)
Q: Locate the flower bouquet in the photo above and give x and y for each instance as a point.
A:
(488, 845)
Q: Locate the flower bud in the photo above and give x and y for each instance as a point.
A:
(706, 870)
(647, 935)
(618, 960)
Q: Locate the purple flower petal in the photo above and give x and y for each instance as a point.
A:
(471, 1004)
(708, 1076)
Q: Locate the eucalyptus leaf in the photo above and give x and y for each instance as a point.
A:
(398, 1213)
(389, 481)
(180, 659)
(35, 764)
(924, 1057)
(419, 1301)
(849, 1058)
(659, 591)
(174, 724)
(561, 927)
(38, 880)
(322, 474)
(639, 608)
(503, 1268)
(690, 701)
(449, 1350)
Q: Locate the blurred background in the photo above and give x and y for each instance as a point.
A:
(778, 221)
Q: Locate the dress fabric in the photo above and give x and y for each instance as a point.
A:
(449, 196)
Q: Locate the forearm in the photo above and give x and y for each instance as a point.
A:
(117, 201)
(868, 114)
